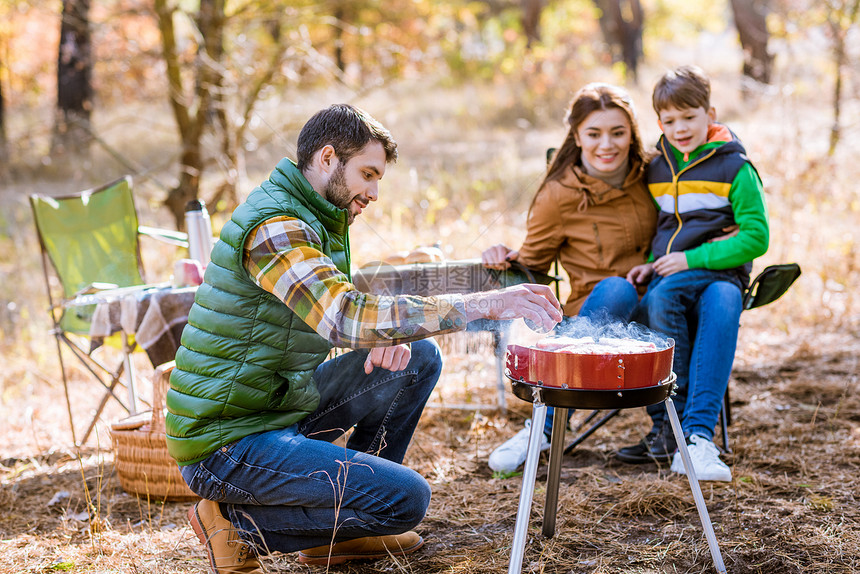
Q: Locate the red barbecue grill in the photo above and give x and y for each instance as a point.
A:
(565, 380)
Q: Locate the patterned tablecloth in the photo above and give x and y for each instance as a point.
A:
(154, 314)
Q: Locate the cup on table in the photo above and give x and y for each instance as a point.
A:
(187, 272)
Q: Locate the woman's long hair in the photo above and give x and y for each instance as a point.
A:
(591, 98)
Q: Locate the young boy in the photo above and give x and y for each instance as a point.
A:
(711, 225)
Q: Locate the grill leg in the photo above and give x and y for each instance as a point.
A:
(694, 486)
(528, 488)
(556, 450)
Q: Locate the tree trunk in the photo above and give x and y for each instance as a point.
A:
(621, 22)
(841, 16)
(191, 109)
(74, 80)
(340, 22)
(531, 20)
(751, 21)
(4, 144)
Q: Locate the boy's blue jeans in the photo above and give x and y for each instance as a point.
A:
(614, 298)
(291, 489)
(700, 309)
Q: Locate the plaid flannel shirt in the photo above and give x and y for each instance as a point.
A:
(284, 256)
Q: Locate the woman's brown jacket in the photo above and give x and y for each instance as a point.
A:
(596, 230)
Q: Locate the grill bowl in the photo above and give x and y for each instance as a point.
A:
(556, 369)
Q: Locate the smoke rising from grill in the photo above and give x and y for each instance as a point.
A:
(602, 326)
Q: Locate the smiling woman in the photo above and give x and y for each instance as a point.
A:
(605, 137)
(593, 214)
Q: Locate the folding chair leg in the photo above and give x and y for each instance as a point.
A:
(726, 420)
(578, 440)
(66, 389)
(97, 414)
(115, 376)
(109, 388)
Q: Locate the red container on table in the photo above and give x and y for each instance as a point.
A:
(187, 272)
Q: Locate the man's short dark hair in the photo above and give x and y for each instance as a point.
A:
(347, 129)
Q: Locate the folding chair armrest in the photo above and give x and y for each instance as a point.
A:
(531, 275)
(770, 284)
(89, 290)
(177, 238)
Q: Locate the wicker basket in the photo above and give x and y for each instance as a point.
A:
(142, 462)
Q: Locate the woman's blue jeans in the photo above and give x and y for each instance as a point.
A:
(700, 309)
(291, 489)
(614, 298)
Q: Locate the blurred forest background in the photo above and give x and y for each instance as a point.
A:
(200, 98)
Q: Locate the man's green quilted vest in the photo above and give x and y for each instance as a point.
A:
(246, 360)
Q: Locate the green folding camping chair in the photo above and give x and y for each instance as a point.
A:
(89, 242)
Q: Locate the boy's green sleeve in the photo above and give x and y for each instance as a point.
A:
(747, 199)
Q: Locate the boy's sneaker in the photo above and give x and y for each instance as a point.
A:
(655, 447)
(512, 453)
(706, 460)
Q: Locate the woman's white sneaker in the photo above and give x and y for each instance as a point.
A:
(706, 460)
(512, 453)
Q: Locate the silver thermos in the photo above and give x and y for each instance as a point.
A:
(199, 229)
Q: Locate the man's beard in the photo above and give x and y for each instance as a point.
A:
(337, 193)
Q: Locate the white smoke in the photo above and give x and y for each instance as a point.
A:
(603, 326)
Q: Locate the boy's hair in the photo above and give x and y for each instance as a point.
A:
(682, 88)
(347, 129)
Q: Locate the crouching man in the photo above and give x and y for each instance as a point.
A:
(254, 405)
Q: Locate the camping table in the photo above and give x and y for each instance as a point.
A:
(154, 315)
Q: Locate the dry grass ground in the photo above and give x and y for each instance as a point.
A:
(791, 508)
(465, 181)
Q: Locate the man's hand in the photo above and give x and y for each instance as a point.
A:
(671, 263)
(536, 303)
(498, 257)
(392, 358)
(640, 274)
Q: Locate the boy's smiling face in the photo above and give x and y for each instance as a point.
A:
(686, 129)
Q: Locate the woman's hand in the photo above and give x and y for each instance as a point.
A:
(391, 358)
(498, 257)
(640, 274)
(729, 231)
(671, 263)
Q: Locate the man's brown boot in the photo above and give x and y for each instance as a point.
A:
(228, 553)
(368, 548)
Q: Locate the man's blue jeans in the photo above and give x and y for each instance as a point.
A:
(291, 489)
(615, 299)
(700, 309)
